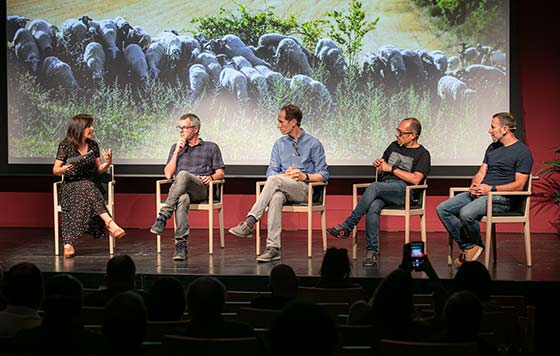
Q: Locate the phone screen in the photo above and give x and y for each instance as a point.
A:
(416, 254)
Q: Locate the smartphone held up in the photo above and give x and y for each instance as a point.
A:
(414, 253)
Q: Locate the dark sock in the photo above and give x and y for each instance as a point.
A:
(250, 221)
(162, 217)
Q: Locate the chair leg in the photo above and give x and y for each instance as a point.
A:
(406, 228)
(158, 243)
(221, 219)
(494, 245)
(324, 229)
(309, 233)
(56, 232)
(488, 243)
(354, 243)
(111, 244)
(210, 231)
(423, 231)
(527, 235)
(258, 238)
(450, 249)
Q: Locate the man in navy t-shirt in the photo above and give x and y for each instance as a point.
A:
(506, 167)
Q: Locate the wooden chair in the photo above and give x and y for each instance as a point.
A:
(310, 206)
(410, 209)
(332, 295)
(192, 346)
(109, 202)
(396, 347)
(519, 215)
(214, 202)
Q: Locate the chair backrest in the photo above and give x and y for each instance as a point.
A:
(417, 196)
(503, 325)
(244, 296)
(358, 335)
(525, 201)
(183, 345)
(91, 315)
(257, 317)
(104, 181)
(332, 295)
(155, 330)
(396, 347)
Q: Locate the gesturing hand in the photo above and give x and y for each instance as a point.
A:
(107, 156)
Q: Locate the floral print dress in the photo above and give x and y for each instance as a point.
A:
(80, 195)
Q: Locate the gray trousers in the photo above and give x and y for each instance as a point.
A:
(277, 191)
(185, 189)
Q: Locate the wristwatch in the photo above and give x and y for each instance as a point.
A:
(306, 178)
(393, 168)
(494, 189)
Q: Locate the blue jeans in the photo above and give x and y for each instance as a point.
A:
(461, 217)
(376, 196)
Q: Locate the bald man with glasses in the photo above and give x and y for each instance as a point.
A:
(194, 163)
(404, 162)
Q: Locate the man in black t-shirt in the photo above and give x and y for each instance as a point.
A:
(506, 167)
(404, 162)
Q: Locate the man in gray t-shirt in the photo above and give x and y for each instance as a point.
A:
(506, 167)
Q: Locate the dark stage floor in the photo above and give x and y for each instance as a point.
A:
(238, 257)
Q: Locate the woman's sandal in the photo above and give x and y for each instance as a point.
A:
(69, 251)
(115, 230)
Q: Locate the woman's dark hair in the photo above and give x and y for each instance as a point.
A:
(76, 128)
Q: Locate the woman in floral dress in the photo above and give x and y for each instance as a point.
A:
(83, 207)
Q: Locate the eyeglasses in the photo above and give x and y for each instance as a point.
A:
(400, 133)
(184, 128)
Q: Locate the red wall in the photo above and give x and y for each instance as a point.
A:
(540, 101)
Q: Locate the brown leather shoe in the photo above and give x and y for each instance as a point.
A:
(69, 251)
(115, 230)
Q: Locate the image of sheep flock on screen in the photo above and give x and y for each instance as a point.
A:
(354, 67)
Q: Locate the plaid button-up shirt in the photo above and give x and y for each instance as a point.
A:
(200, 160)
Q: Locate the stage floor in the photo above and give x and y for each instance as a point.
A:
(238, 258)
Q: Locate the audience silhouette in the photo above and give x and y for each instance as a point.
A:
(206, 299)
(23, 289)
(474, 277)
(303, 328)
(119, 277)
(284, 288)
(463, 315)
(335, 269)
(61, 331)
(124, 324)
(166, 300)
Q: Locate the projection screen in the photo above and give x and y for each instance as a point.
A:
(138, 65)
